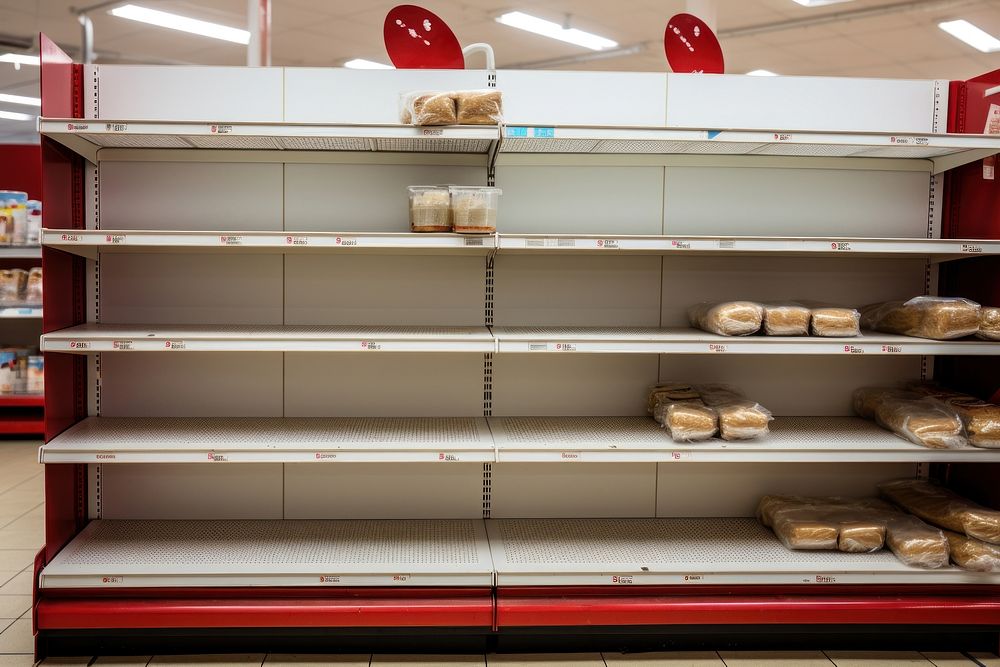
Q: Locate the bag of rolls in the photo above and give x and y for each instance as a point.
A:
(971, 554)
(678, 407)
(981, 419)
(739, 417)
(786, 319)
(464, 107)
(989, 324)
(921, 420)
(727, 318)
(933, 317)
(915, 543)
(944, 508)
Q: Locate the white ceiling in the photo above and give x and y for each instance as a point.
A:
(861, 38)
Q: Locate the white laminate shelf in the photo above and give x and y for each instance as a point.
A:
(129, 554)
(92, 243)
(88, 136)
(445, 440)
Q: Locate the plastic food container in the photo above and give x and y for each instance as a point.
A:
(474, 209)
(430, 208)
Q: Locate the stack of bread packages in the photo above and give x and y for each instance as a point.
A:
(972, 531)
(989, 323)
(933, 317)
(745, 318)
(915, 416)
(692, 413)
(466, 107)
(981, 419)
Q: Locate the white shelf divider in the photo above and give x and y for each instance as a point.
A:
(279, 440)
(157, 554)
(696, 551)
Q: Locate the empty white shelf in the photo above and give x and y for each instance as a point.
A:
(184, 553)
(285, 440)
(791, 440)
(649, 340)
(91, 243)
(89, 338)
(613, 552)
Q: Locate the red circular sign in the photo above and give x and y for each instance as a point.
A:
(416, 38)
(691, 46)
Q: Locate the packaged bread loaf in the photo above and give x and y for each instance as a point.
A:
(981, 419)
(427, 108)
(860, 536)
(670, 391)
(934, 317)
(730, 318)
(867, 399)
(849, 525)
(787, 319)
(479, 107)
(989, 323)
(971, 554)
(805, 528)
(915, 543)
(33, 289)
(944, 508)
(920, 419)
(830, 321)
(691, 421)
(10, 286)
(739, 417)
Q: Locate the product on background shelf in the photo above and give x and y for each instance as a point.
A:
(933, 317)
(727, 318)
(920, 419)
(474, 209)
(14, 213)
(36, 374)
(915, 543)
(430, 208)
(739, 417)
(786, 319)
(479, 107)
(981, 419)
(828, 321)
(34, 222)
(972, 554)
(944, 508)
(427, 108)
(13, 283)
(21, 371)
(989, 323)
(8, 371)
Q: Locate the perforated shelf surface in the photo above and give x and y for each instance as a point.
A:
(119, 554)
(536, 552)
(791, 440)
(286, 440)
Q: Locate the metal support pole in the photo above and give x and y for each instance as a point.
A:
(87, 38)
(259, 25)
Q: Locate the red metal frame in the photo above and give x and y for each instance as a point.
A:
(22, 400)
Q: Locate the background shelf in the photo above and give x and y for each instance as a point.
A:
(21, 252)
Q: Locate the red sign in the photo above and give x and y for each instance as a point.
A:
(416, 38)
(691, 46)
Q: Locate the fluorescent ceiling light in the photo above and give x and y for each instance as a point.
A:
(975, 37)
(819, 3)
(182, 23)
(21, 99)
(361, 63)
(19, 59)
(13, 115)
(556, 31)
(761, 72)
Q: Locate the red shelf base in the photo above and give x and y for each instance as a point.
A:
(22, 425)
(22, 401)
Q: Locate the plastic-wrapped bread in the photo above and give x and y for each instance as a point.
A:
(787, 319)
(933, 317)
(981, 419)
(730, 318)
(944, 508)
(805, 528)
(989, 323)
(670, 391)
(867, 399)
(915, 543)
(427, 108)
(739, 418)
(479, 107)
(923, 421)
(834, 321)
(860, 536)
(691, 421)
(849, 525)
(971, 554)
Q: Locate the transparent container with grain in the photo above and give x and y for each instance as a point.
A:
(474, 209)
(430, 208)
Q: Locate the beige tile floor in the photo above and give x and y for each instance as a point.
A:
(21, 535)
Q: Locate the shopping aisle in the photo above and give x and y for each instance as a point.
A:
(21, 504)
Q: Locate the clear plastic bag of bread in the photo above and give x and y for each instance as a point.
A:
(915, 543)
(832, 321)
(691, 421)
(933, 317)
(423, 108)
(33, 288)
(944, 508)
(479, 107)
(920, 419)
(727, 318)
(667, 392)
(786, 319)
(739, 417)
(989, 323)
(971, 554)
(842, 524)
(980, 418)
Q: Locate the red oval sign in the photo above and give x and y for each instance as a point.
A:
(416, 38)
(691, 46)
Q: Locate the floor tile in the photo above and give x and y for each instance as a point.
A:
(986, 659)
(953, 659)
(16, 660)
(14, 606)
(126, 660)
(667, 659)
(16, 559)
(6, 575)
(428, 660)
(868, 658)
(22, 538)
(276, 660)
(20, 584)
(546, 660)
(17, 638)
(216, 660)
(68, 661)
(774, 659)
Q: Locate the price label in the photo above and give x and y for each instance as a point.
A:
(76, 127)
(825, 579)
(680, 456)
(727, 244)
(622, 579)
(326, 456)
(122, 345)
(564, 347)
(840, 246)
(447, 456)
(345, 242)
(105, 457)
(680, 245)
(116, 127)
(230, 239)
(570, 456)
(909, 141)
(430, 132)
(694, 578)
(370, 345)
(853, 349)
(892, 349)
(474, 242)
(70, 238)
(543, 132)
(717, 347)
(114, 239)
(329, 579)
(221, 129)
(79, 345)
(517, 132)
(296, 240)
(174, 345)
(781, 136)
(608, 244)
(972, 248)
(218, 458)
(401, 578)
(115, 580)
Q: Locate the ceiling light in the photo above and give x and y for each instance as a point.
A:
(761, 72)
(555, 31)
(19, 59)
(13, 115)
(182, 23)
(361, 63)
(819, 3)
(21, 99)
(975, 37)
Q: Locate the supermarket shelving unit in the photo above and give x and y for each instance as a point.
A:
(21, 414)
(272, 408)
